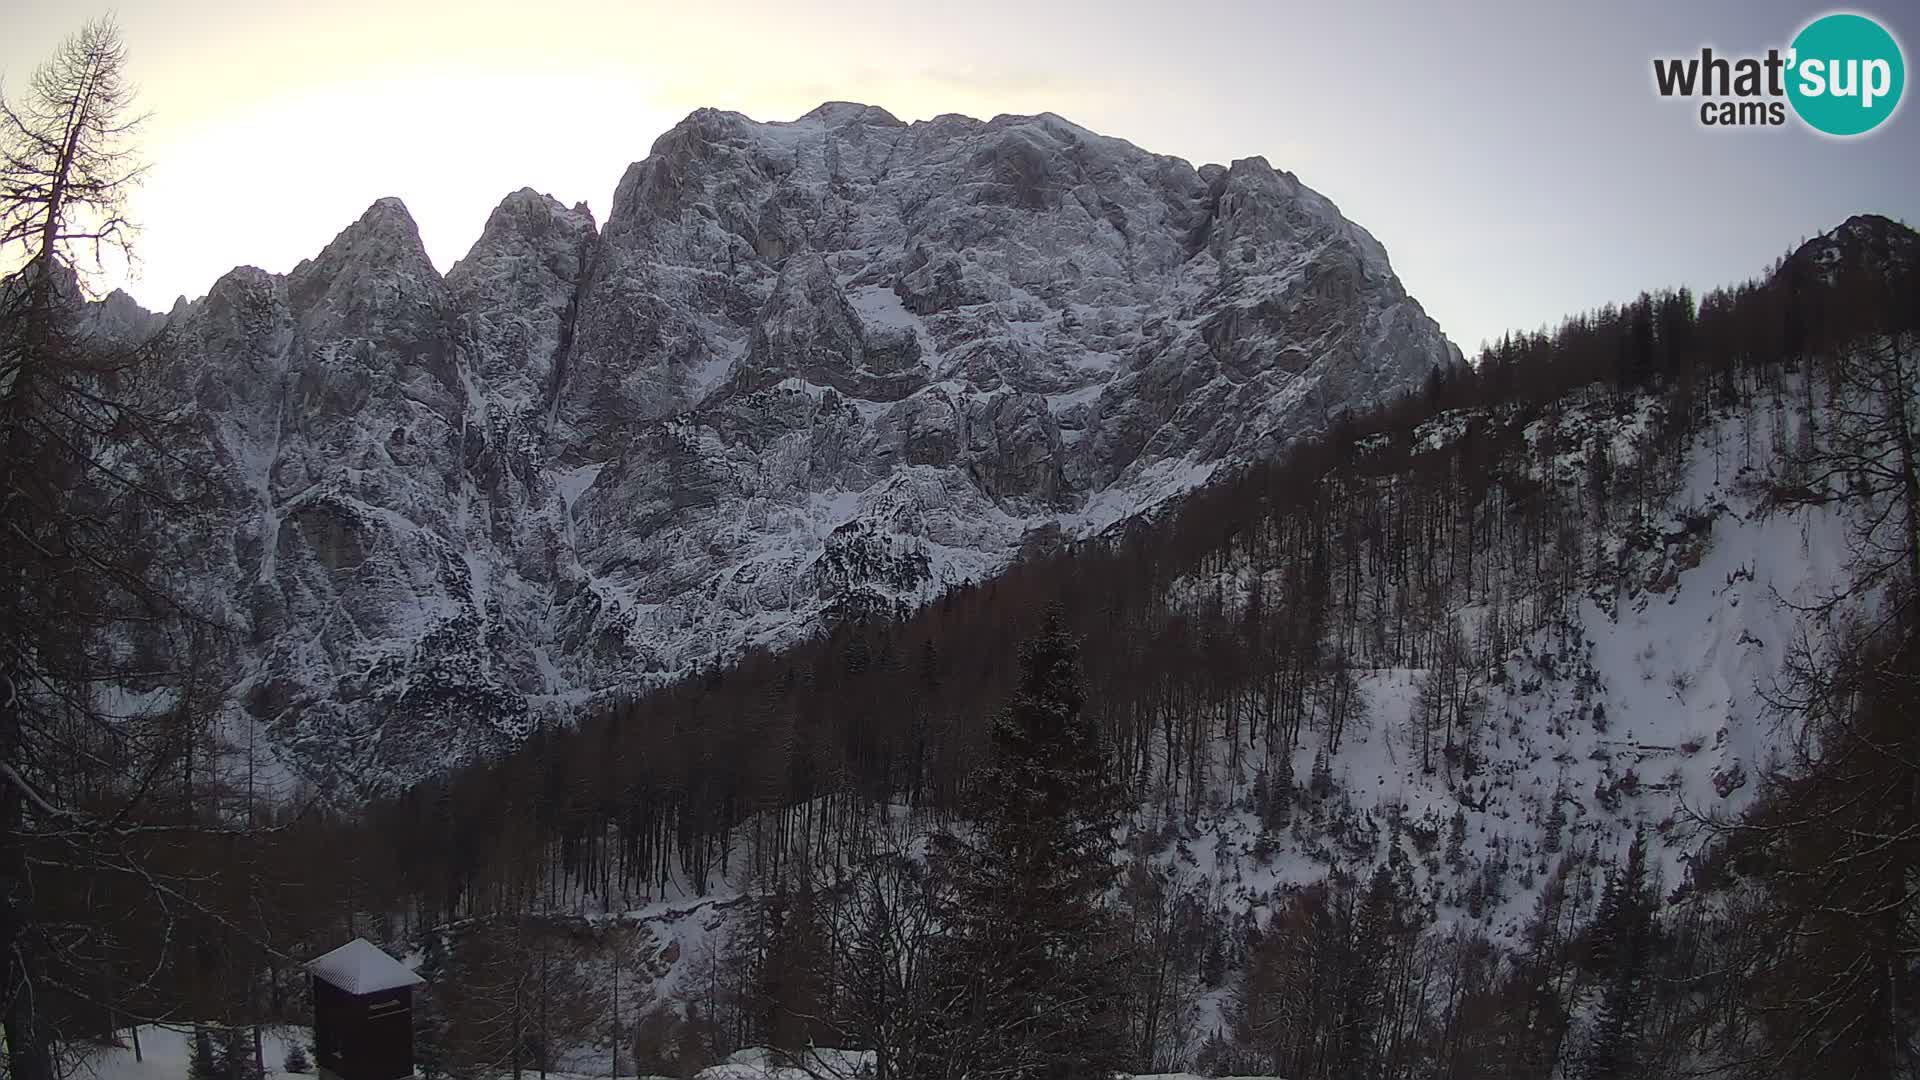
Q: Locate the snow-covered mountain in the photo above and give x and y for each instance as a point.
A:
(805, 369)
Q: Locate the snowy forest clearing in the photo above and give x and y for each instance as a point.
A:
(166, 1054)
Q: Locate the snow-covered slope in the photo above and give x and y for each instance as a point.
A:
(1640, 707)
(806, 369)
(1643, 706)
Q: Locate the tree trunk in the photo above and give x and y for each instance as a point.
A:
(28, 1055)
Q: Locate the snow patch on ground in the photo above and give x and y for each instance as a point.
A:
(1156, 485)
(167, 1049)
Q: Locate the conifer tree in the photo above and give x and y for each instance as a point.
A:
(1457, 839)
(234, 1057)
(89, 619)
(429, 1012)
(1321, 782)
(1373, 927)
(1536, 975)
(794, 965)
(1556, 820)
(1028, 975)
(201, 1063)
(1621, 953)
(1280, 793)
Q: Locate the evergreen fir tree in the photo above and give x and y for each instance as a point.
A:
(1280, 793)
(1621, 953)
(297, 1059)
(1029, 972)
(1361, 997)
(202, 1064)
(1556, 820)
(233, 1058)
(793, 965)
(1543, 1012)
(1321, 782)
(429, 1010)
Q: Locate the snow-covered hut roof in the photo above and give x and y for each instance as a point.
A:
(359, 967)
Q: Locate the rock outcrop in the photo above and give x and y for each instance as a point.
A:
(806, 371)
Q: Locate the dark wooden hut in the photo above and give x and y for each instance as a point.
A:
(362, 1014)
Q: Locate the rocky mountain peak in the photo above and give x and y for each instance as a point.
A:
(384, 237)
(119, 319)
(1867, 243)
(376, 271)
(807, 370)
(842, 113)
(527, 217)
(515, 292)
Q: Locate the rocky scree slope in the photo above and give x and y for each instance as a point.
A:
(806, 370)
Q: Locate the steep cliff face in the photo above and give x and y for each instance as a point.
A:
(806, 370)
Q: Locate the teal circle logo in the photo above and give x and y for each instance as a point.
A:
(1845, 74)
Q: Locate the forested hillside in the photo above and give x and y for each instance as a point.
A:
(1555, 722)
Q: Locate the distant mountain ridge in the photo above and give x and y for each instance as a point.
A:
(805, 370)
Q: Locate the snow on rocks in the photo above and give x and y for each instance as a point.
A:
(839, 363)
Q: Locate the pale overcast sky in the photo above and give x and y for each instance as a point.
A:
(1512, 156)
